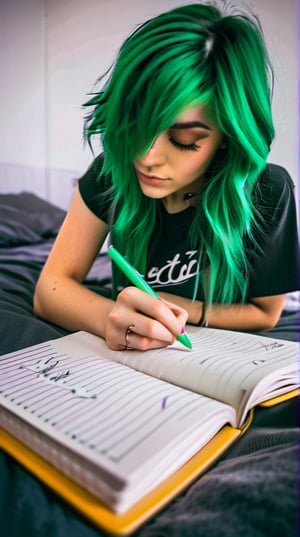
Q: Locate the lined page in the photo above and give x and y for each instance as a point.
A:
(120, 419)
(225, 365)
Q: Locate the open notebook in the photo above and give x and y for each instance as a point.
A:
(120, 433)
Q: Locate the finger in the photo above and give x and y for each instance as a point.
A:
(143, 333)
(180, 313)
(146, 328)
(143, 343)
(119, 340)
(169, 315)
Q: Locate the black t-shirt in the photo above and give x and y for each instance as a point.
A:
(172, 262)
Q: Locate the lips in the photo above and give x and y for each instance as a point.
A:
(151, 180)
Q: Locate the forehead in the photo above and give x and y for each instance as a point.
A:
(197, 113)
(196, 120)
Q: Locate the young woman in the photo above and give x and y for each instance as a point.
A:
(183, 186)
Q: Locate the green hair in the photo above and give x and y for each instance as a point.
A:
(190, 56)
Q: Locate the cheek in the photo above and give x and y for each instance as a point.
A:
(198, 164)
(205, 157)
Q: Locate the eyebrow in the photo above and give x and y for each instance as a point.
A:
(190, 125)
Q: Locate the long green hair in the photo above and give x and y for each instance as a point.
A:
(190, 56)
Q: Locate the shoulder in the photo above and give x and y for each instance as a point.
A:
(276, 171)
(274, 186)
(94, 176)
(95, 188)
(278, 177)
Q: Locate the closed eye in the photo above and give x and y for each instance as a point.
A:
(183, 147)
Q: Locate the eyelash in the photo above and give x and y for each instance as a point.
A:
(183, 147)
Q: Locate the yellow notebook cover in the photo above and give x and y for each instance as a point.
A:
(97, 512)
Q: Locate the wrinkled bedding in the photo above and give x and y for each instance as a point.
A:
(252, 491)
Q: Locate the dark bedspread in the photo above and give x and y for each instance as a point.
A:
(251, 492)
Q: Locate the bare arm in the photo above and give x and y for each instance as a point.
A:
(61, 298)
(258, 314)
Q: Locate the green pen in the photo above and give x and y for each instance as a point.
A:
(135, 277)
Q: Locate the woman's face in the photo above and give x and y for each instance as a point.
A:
(178, 158)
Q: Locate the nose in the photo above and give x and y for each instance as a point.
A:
(156, 156)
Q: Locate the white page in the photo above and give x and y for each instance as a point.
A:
(223, 364)
(121, 420)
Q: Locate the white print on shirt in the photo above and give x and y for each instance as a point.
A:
(171, 274)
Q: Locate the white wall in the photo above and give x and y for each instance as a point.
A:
(22, 111)
(279, 20)
(22, 116)
(51, 53)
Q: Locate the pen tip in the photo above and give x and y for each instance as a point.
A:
(183, 338)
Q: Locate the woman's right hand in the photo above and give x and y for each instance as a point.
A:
(140, 321)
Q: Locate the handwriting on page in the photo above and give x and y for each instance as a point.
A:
(46, 368)
(267, 347)
(270, 346)
(103, 406)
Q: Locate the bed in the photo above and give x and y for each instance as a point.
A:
(252, 491)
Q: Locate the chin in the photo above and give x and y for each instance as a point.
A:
(152, 192)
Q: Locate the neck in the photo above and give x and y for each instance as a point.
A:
(176, 204)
